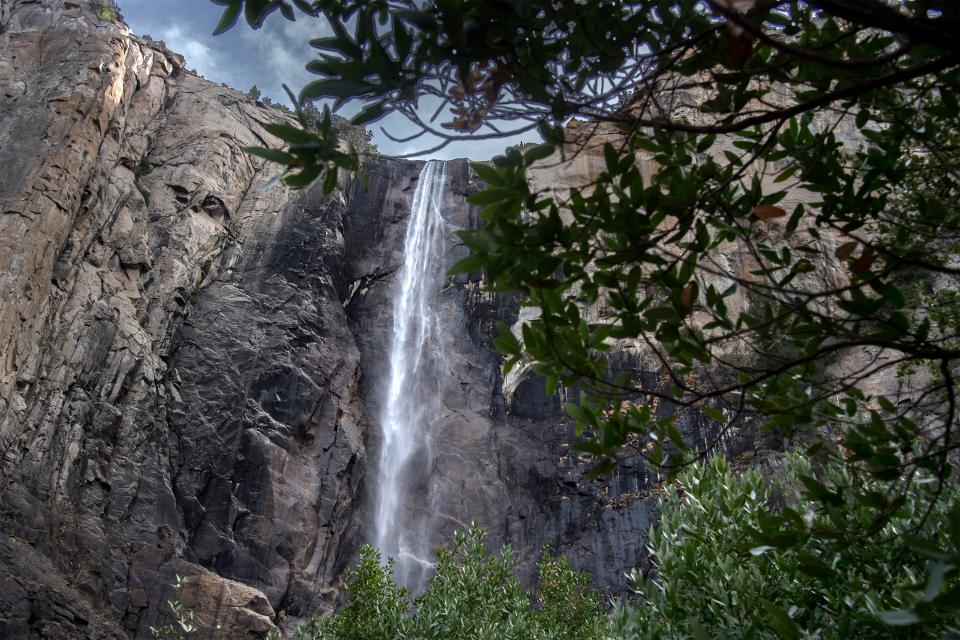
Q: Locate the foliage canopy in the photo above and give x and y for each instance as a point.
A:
(472, 596)
(817, 142)
(811, 589)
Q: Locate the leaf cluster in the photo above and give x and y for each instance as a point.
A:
(472, 596)
(312, 150)
(725, 568)
(106, 10)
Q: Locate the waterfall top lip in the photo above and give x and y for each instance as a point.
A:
(426, 160)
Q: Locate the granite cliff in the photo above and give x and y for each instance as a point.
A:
(192, 358)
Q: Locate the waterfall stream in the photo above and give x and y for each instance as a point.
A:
(414, 395)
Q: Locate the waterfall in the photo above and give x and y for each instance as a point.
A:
(414, 395)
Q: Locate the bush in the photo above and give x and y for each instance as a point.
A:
(716, 581)
(106, 10)
(376, 607)
(472, 596)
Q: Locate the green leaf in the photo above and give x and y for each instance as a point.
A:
(953, 518)
(659, 314)
(539, 152)
(899, 618)
(256, 11)
(402, 38)
(714, 414)
(611, 157)
(676, 436)
(370, 113)
(273, 155)
(304, 178)
(329, 181)
(229, 18)
(602, 468)
(794, 220)
(306, 6)
(820, 491)
(554, 135)
(507, 340)
(781, 621)
(486, 173)
(927, 548)
(577, 413)
(587, 446)
(467, 265)
(334, 88)
(421, 19)
(646, 144)
(289, 133)
(786, 174)
(706, 142)
(813, 566)
(698, 631)
(489, 196)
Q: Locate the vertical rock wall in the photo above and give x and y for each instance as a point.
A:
(178, 384)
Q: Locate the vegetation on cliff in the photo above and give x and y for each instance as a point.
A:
(816, 142)
(106, 9)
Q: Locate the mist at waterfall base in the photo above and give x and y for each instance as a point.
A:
(417, 365)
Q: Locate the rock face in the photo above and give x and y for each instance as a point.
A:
(192, 361)
(179, 384)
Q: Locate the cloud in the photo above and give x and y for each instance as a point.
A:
(273, 56)
(281, 50)
(198, 55)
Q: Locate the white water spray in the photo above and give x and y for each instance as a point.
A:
(414, 395)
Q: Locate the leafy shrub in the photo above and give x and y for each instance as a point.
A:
(106, 10)
(472, 596)
(376, 608)
(715, 579)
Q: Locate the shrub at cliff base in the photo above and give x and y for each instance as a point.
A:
(472, 596)
(711, 579)
(714, 581)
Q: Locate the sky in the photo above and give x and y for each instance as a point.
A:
(269, 58)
